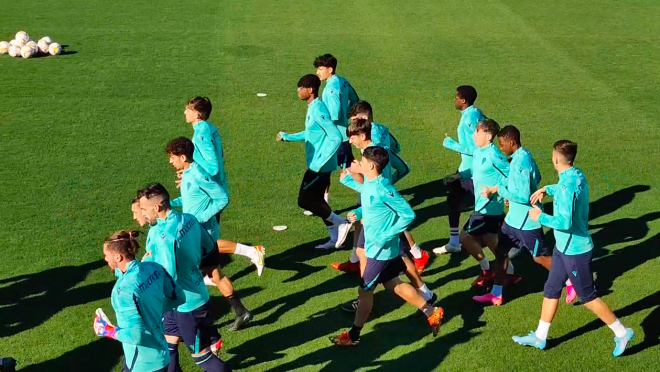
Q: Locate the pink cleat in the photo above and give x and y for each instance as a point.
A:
(488, 298)
(571, 295)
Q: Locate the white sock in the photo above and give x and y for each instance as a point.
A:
(453, 237)
(618, 328)
(568, 282)
(354, 257)
(425, 292)
(485, 264)
(247, 251)
(496, 291)
(415, 251)
(542, 330)
(335, 219)
(509, 269)
(326, 197)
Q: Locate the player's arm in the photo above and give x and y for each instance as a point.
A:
(358, 213)
(331, 98)
(563, 211)
(396, 203)
(348, 181)
(167, 248)
(328, 148)
(458, 147)
(395, 147)
(352, 96)
(550, 190)
(293, 137)
(500, 163)
(133, 331)
(206, 148)
(177, 202)
(516, 187)
(401, 169)
(173, 294)
(217, 194)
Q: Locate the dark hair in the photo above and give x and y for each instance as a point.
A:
(360, 107)
(124, 243)
(468, 93)
(567, 149)
(310, 81)
(136, 199)
(181, 146)
(511, 133)
(489, 126)
(202, 105)
(153, 190)
(326, 60)
(378, 156)
(357, 127)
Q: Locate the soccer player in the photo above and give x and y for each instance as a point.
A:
(142, 294)
(489, 168)
(322, 139)
(386, 215)
(338, 96)
(571, 258)
(176, 241)
(460, 187)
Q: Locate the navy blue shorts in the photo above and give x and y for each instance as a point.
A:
(195, 328)
(380, 272)
(404, 247)
(360, 243)
(577, 268)
(482, 224)
(125, 369)
(531, 239)
(214, 259)
(345, 155)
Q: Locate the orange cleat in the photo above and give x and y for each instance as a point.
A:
(420, 263)
(347, 267)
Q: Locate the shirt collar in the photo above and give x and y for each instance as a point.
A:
(130, 265)
(161, 221)
(566, 171)
(467, 110)
(518, 152)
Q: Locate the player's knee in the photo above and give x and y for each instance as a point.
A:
(552, 290)
(588, 296)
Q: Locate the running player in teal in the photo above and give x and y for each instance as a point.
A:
(177, 241)
(489, 168)
(572, 256)
(386, 215)
(461, 188)
(322, 139)
(204, 198)
(142, 294)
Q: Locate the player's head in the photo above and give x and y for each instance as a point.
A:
(563, 154)
(137, 212)
(180, 150)
(120, 248)
(308, 86)
(198, 108)
(359, 133)
(374, 160)
(465, 97)
(509, 139)
(486, 131)
(361, 110)
(326, 66)
(154, 201)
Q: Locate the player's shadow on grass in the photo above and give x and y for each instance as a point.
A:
(100, 355)
(30, 300)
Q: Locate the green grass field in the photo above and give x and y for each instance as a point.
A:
(81, 132)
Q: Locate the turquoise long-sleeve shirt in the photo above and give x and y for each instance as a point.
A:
(178, 243)
(338, 96)
(208, 151)
(321, 136)
(470, 117)
(570, 221)
(523, 179)
(140, 297)
(201, 195)
(385, 214)
(381, 136)
(489, 168)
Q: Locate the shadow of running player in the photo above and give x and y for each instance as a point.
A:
(100, 355)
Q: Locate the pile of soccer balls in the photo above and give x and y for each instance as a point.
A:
(22, 46)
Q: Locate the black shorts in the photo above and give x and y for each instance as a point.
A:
(531, 239)
(315, 182)
(214, 259)
(195, 328)
(577, 268)
(126, 369)
(462, 184)
(482, 224)
(345, 155)
(380, 272)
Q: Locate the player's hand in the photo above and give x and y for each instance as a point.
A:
(537, 197)
(451, 178)
(506, 203)
(146, 255)
(486, 192)
(534, 213)
(352, 217)
(179, 174)
(344, 173)
(355, 167)
(103, 327)
(178, 183)
(279, 137)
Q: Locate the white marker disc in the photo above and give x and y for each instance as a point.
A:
(308, 213)
(280, 228)
(261, 94)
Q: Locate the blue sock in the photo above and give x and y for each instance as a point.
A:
(210, 363)
(174, 358)
(496, 291)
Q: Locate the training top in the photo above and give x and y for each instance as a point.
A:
(201, 195)
(321, 136)
(518, 187)
(571, 213)
(384, 213)
(489, 168)
(178, 243)
(339, 96)
(383, 137)
(140, 297)
(208, 151)
(470, 117)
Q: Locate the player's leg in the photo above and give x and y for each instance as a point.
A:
(8, 364)
(504, 243)
(420, 257)
(409, 294)
(353, 263)
(172, 337)
(458, 190)
(199, 333)
(472, 240)
(254, 253)
(226, 287)
(412, 272)
(311, 198)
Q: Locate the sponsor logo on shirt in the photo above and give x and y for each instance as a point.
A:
(147, 283)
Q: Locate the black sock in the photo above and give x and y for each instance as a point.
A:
(174, 358)
(210, 363)
(354, 333)
(236, 304)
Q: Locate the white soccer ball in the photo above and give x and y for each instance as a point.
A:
(43, 44)
(54, 49)
(22, 37)
(4, 47)
(14, 51)
(46, 39)
(33, 44)
(27, 51)
(15, 42)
